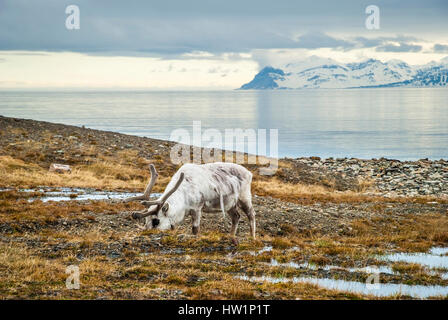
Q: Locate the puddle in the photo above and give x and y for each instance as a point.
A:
(82, 194)
(264, 249)
(436, 258)
(369, 269)
(384, 290)
(438, 251)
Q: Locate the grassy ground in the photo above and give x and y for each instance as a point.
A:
(321, 222)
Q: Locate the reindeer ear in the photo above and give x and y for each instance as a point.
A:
(165, 208)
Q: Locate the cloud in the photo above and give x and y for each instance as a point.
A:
(368, 42)
(364, 42)
(401, 47)
(440, 48)
(317, 40)
(172, 28)
(23, 53)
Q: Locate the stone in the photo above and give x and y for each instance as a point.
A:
(60, 168)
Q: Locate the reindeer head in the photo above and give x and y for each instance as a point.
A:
(159, 214)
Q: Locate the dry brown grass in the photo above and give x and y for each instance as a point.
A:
(304, 194)
(19, 269)
(102, 175)
(282, 243)
(365, 184)
(310, 194)
(407, 267)
(21, 210)
(415, 233)
(196, 274)
(125, 170)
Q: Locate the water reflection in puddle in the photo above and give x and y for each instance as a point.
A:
(436, 258)
(384, 289)
(310, 266)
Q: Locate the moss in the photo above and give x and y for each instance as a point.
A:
(281, 243)
(319, 259)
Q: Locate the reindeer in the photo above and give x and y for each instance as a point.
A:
(212, 187)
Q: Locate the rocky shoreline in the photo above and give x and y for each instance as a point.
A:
(67, 145)
(389, 177)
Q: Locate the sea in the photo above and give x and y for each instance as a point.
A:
(395, 123)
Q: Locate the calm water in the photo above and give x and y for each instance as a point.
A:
(400, 123)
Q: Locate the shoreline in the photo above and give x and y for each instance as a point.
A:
(67, 144)
(287, 158)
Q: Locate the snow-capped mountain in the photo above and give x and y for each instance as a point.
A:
(316, 72)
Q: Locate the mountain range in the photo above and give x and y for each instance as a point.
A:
(315, 72)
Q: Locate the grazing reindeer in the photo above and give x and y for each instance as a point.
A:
(218, 186)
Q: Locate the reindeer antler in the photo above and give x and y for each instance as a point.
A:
(165, 196)
(149, 187)
(158, 203)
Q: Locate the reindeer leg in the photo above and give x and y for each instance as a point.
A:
(248, 209)
(196, 218)
(235, 215)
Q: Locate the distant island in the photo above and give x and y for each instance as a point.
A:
(315, 72)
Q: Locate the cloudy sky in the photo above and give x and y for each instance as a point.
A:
(203, 44)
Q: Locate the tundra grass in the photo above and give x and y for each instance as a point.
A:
(118, 260)
(128, 263)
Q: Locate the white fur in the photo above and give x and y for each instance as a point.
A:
(218, 186)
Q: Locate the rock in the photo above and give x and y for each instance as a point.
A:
(60, 168)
